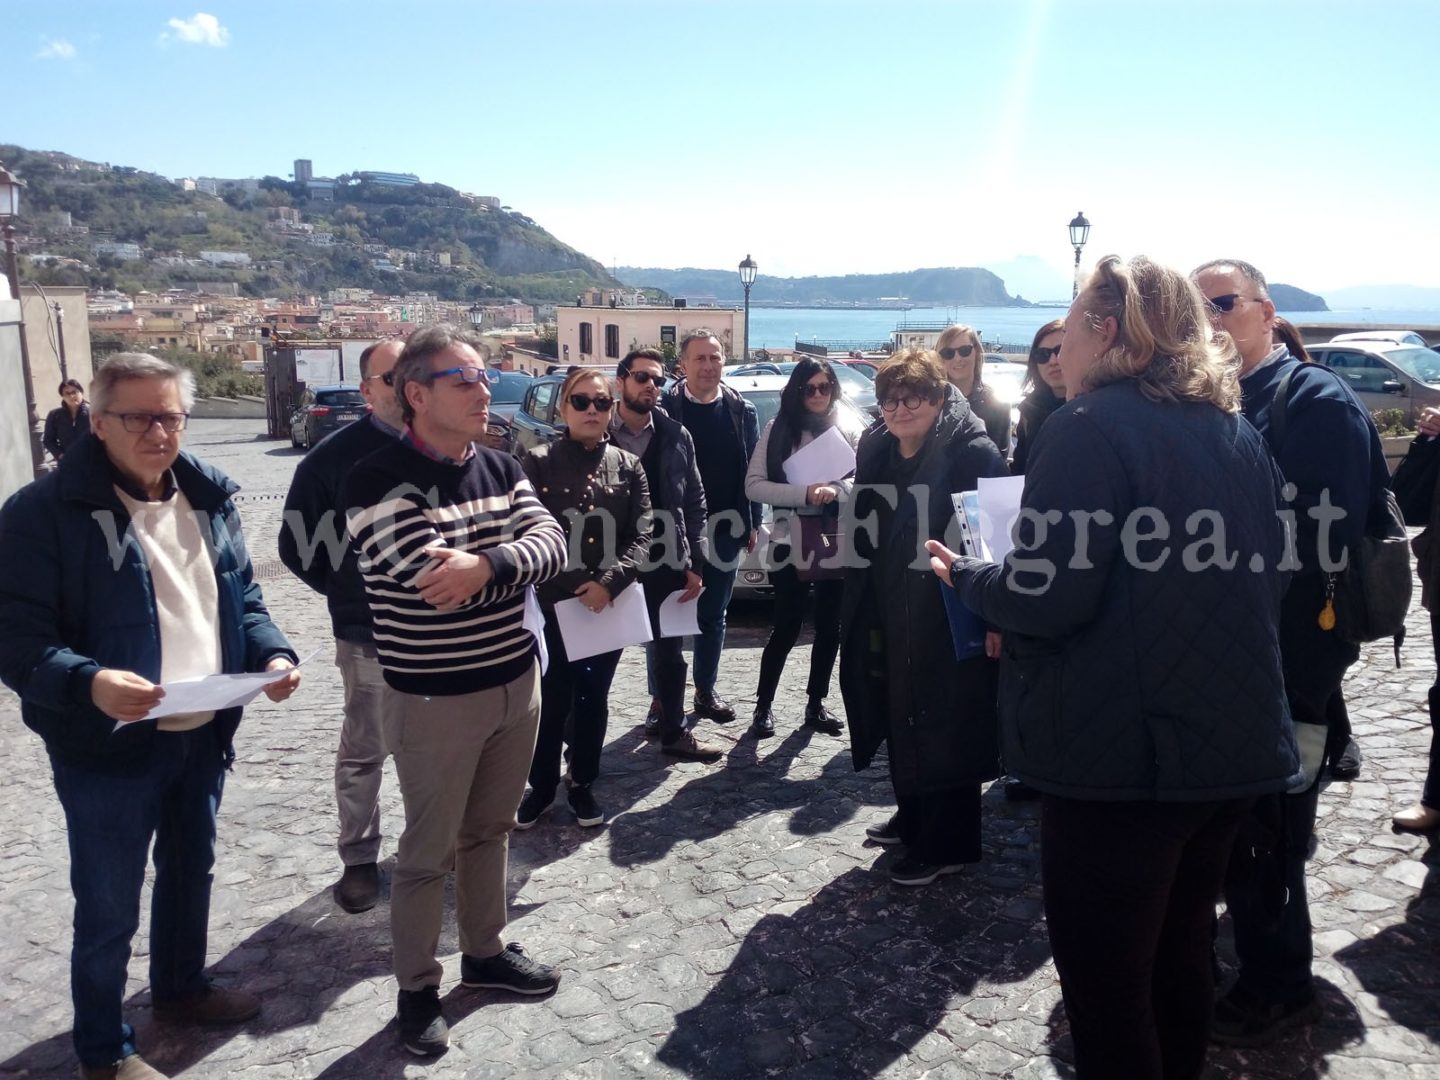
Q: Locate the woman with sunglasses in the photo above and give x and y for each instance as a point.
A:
(599, 494)
(959, 347)
(1044, 390)
(807, 410)
(901, 682)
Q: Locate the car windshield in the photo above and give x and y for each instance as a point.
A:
(1422, 364)
(767, 404)
(339, 399)
(508, 387)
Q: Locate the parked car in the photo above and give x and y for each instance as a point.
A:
(762, 389)
(507, 392)
(1385, 375)
(868, 368)
(324, 409)
(536, 420)
(856, 388)
(1396, 337)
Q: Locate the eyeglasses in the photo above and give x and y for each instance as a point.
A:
(469, 374)
(1044, 356)
(817, 389)
(950, 352)
(582, 402)
(910, 401)
(644, 378)
(1227, 302)
(387, 377)
(139, 423)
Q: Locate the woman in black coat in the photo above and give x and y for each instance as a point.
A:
(963, 355)
(899, 678)
(1044, 391)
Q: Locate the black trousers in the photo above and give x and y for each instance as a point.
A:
(667, 657)
(574, 710)
(1431, 796)
(941, 826)
(1130, 891)
(789, 615)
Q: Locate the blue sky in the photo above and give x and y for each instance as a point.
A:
(823, 138)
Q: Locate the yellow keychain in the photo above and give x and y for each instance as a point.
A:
(1327, 613)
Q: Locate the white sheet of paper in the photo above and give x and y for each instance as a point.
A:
(999, 507)
(535, 623)
(821, 460)
(677, 619)
(211, 693)
(623, 622)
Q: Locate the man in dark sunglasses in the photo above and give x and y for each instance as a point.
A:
(1327, 447)
(679, 546)
(314, 548)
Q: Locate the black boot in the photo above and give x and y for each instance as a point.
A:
(762, 725)
(821, 718)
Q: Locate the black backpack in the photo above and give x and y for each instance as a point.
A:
(1370, 598)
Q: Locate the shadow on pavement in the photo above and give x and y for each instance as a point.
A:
(853, 980)
(1399, 964)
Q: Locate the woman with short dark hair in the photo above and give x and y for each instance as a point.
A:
(899, 675)
(67, 423)
(1044, 389)
(807, 411)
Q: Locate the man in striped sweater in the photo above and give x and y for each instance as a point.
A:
(449, 536)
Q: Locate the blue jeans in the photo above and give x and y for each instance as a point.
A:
(111, 819)
(719, 584)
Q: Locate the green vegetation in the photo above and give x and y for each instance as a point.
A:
(1391, 422)
(493, 253)
(217, 376)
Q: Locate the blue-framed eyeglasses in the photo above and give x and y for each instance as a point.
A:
(469, 374)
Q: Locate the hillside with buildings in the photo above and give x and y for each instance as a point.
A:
(116, 227)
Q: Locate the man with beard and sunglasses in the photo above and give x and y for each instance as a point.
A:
(313, 547)
(1328, 451)
(678, 547)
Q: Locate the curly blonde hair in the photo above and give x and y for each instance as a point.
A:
(1164, 340)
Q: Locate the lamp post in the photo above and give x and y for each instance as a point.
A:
(10, 186)
(1079, 233)
(747, 278)
(60, 339)
(477, 317)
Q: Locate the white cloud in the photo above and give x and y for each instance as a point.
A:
(199, 29)
(57, 49)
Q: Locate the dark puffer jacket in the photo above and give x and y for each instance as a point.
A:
(76, 596)
(604, 491)
(1135, 665)
(993, 413)
(898, 673)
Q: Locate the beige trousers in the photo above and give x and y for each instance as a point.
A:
(462, 763)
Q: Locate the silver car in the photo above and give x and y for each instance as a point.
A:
(1385, 375)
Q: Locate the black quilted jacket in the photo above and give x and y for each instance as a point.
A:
(1135, 666)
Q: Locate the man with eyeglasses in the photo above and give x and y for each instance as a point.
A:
(678, 548)
(123, 570)
(725, 429)
(1330, 452)
(450, 536)
(313, 546)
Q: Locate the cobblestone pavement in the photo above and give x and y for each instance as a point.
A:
(727, 921)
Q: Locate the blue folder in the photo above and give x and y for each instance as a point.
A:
(967, 632)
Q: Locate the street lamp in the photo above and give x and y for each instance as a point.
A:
(747, 278)
(477, 316)
(10, 186)
(1079, 233)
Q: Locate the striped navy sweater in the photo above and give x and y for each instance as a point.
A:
(404, 502)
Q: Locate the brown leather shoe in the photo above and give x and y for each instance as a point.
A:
(213, 1005)
(1417, 819)
(130, 1068)
(689, 748)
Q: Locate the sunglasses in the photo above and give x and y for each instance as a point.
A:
(817, 389)
(950, 352)
(388, 377)
(469, 374)
(1044, 356)
(1225, 303)
(582, 402)
(644, 378)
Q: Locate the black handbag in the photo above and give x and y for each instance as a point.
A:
(1414, 481)
(820, 541)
